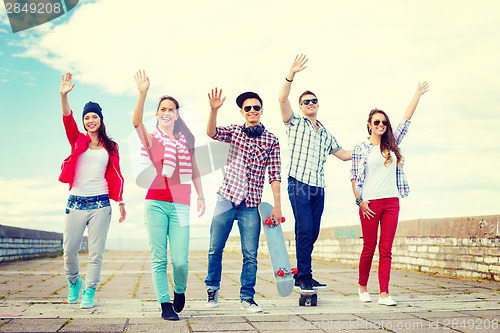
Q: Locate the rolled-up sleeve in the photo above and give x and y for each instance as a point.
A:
(274, 162)
(335, 146)
(224, 133)
(356, 159)
(401, 130)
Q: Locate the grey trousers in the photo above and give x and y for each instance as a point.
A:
(97, 221)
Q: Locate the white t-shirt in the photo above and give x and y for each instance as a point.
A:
(89, 173)
(380, 181)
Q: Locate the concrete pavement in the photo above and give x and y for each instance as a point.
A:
(32, 299)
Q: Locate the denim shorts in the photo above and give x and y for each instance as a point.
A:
(87, 203)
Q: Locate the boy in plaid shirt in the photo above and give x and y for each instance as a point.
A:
(252, 150)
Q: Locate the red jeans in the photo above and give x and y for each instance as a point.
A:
(386, 214)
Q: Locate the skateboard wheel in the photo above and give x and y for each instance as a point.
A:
(268, 221)
(302, 301)
(314, 300)
(294, 271)
(283, 219)
(280, 273)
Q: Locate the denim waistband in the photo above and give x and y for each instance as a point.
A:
(86, 203)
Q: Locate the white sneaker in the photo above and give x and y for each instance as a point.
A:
(387, 301)
(212, 298)
(250, 305)
(364, 297)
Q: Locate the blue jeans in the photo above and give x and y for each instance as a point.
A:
(249, 224)
(308, 203)
(167, 224)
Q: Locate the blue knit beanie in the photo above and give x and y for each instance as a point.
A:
(92, 107)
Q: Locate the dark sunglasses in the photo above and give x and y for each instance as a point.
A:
(307, 101)
(377, 122)
(249, 107)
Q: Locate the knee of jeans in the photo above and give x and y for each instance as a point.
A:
(95, 259)
(180, 264)
(250, 257)
(385, 253)
(159, 263)
(369, 247)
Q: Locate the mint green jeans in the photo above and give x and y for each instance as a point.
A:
(167, 224)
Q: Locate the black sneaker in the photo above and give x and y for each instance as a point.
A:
(315, 284)
(318, 285)
(306, 286)
(179, 301)
(167, 312)
(212, 298)
(250, 305)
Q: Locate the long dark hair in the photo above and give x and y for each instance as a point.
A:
(110, 145)
(388, 141)
(179, 125)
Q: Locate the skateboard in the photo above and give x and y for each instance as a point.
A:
(308, 298)
(283, 272)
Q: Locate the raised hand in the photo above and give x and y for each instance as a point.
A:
(215, 99)
(142, 81)
(299, 63)
(66, 84)
(423, 88)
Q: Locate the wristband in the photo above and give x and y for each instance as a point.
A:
(120, 203)
(359, 201)
(288, 80)
(201, 198)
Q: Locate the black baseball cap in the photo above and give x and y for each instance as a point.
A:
(246, 95)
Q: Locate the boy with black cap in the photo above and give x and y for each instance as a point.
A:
(252, 150)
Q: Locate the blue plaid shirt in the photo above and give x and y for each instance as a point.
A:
(360, 155)
(309, 149)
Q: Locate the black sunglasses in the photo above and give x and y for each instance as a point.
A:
(377, 122)
(249, 107)
(307, 101)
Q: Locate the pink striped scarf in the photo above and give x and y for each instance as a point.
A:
(176, 152)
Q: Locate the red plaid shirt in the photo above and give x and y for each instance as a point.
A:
(246, 164)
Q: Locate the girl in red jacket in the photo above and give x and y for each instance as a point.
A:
(93, 173)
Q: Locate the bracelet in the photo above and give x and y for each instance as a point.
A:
(359, 201)
(120, 203)
(201, 198)
(288, 80)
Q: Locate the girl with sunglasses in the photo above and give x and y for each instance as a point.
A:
(169, 149)
(378, 181)
(93, 174)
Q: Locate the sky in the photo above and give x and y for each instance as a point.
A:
(362, 54)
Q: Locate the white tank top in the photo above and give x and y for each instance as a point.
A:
(380, 181)
(89, 174)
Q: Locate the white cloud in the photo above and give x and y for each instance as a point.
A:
(362, 55)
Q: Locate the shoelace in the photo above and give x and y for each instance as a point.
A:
(251, 301)
(211, 295)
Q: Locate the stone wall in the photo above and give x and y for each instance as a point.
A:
(462, 246)
(18, 243)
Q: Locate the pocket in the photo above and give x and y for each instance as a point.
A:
(70, 205)
(261, 155)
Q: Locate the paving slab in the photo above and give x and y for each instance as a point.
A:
(32, 299)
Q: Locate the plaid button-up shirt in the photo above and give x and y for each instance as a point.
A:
(309, 150)
(246, 164)
(360, 155)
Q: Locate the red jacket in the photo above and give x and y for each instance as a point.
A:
(79, 143)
